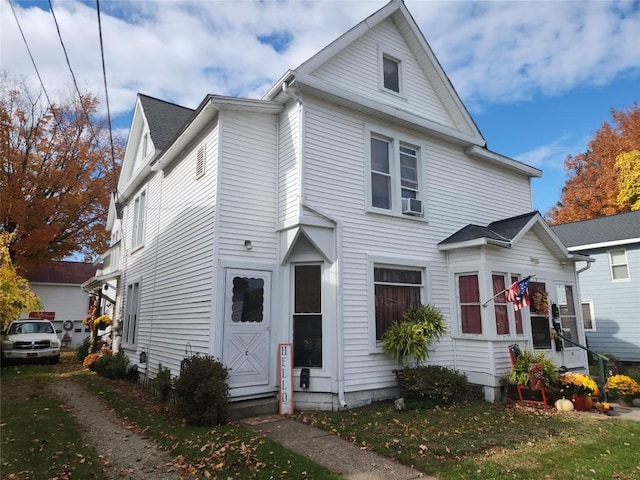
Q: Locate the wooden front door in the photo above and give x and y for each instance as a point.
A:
(247, 326)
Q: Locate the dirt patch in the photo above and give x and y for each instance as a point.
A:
(125, 453)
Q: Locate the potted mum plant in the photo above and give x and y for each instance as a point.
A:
(578, 388)
(624, 388)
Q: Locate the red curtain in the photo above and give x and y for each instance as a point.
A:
(470, 304)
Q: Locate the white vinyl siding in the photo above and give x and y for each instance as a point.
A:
(288, 174)
(248, 203)
(357, 69)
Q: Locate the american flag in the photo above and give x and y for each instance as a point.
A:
(518, 295)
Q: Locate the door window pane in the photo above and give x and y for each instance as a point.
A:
(540, 326)
(248, 300)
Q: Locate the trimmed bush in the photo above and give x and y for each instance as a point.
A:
(201, 391)
(112, 366)
(162, 384)
(436, 383)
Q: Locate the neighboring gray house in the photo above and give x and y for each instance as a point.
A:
(610, 288)
(359, 185)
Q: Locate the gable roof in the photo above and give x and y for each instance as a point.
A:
(465, 133)
(165, 119)
(506, 233)
(73, 273)
(623, 228)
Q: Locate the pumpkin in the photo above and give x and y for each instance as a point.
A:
(564, 405)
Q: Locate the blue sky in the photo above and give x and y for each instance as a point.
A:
(539, 78)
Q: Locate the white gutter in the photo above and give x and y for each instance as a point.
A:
(304, 203)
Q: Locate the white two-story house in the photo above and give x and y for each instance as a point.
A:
(358, 185)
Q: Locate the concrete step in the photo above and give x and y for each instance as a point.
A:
(253, 408)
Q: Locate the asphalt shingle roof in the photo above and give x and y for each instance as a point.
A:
(611, 228)
(504, 230)
(75, 273)
(165, 119)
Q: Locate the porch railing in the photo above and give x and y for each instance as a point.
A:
(601, 361)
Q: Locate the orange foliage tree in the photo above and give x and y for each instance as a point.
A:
(593, 184)
(56, 175)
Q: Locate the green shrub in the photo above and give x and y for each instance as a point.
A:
(410, 338)
(162, 384)
(112, 366)
(519, 374)
(201, 391)
(83, 349)
(436, 383)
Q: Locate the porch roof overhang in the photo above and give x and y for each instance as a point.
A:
(98, 281)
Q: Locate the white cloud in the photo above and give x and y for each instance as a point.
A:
(494, 52)
(551, 156)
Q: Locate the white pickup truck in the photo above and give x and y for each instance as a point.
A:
(31, 340)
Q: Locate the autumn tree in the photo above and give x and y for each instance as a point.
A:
(56, 176)
(628, 164)
(594, 183)
(16, 296)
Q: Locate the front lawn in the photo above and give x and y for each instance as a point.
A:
(479, 440)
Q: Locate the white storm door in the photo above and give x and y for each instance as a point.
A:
(247, 320)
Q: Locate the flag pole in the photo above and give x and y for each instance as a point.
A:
(502, 291)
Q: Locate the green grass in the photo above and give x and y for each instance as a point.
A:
(478, 440)
(40, 440)
(232, 451)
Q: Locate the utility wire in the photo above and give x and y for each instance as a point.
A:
(24, 39)
(106, 95)
(75, 83)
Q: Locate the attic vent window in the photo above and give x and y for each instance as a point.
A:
(200, 162)
(391, 73)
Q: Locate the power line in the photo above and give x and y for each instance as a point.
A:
(26, 44)
(106, 95)
(73, 76)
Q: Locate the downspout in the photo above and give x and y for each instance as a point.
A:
(303, 203)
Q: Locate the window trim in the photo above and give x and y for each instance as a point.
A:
(626, 265)
(322, 312)
(127, 332)
(399, 58)
(139, 221)
(592, 313)
(396, 140)
(457, 275)
(374, 261)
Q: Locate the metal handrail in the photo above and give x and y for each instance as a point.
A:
(601, 359)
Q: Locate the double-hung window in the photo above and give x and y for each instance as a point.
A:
(619, 265)
(395, 176)
(307, 316)
(469, 304)
(396, 290)
(131, 313)
(139, 212)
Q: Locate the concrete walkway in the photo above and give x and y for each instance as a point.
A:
(346, 458)
(332, 452)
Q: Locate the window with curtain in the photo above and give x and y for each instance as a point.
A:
(518, 313)
(469, 304)
(396, 290)
(500, 305)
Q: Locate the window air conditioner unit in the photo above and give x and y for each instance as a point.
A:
(412, 206)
